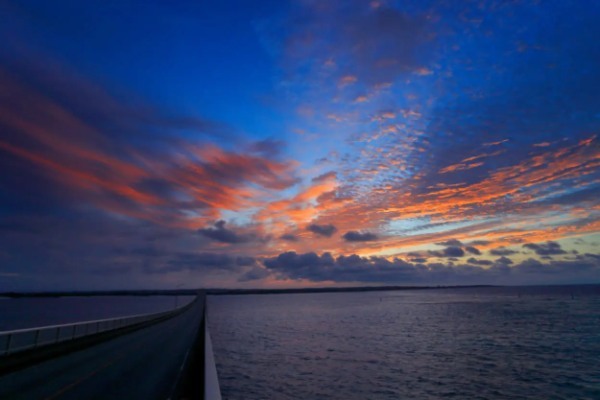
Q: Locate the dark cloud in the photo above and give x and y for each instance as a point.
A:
(73, 249)
(450, 242)
(203, 262)
(322, 230)
(68, 145)
(254, 274)
(289, 237)
(245, 261)
(473, 250)
(354, 268)
(116, 154)
(384, 43)
(220, 233)
(454, 252)
(377, 44)
(355, 236)
(587, 195)
(268, 148)
(504, 260)
(545, 249)
(448, 252)
(479, 243)
(479, 262)
(498, 126)
(417, 257)
(298, 265)
(501, 251)
(321, 268)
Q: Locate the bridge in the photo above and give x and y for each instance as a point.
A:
(164, 355)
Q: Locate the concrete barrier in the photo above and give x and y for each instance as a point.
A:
(19, 340)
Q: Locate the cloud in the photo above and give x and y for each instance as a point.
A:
(288, 237)
(202, 262)
(324, 177)
(353, 268)
(545, 249)
(254, 274)
(479, 262)
(220, 233)
(357, 42)
(73, 249)
(451, 251)
(267, 148)
(347, 80)
(298, 208)
(442, 150)
(504, 260)
(394, 176)
(501, 251)
(417, 257)
(473, 250)
(516, 180)
(460, 167)
(450, 242)
(383, 43)
(120, 156)
(322, 230)
(479, 243)
(355, 236)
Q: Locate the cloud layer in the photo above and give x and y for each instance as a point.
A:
(353, 268)
(405, 142)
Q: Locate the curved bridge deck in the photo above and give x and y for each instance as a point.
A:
(164, 360)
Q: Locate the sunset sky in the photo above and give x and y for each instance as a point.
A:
(298, 143)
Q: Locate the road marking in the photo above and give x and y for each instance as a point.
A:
(184, 360)
(179, 374)
(71, 385)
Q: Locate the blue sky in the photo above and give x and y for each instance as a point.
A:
(298, 143)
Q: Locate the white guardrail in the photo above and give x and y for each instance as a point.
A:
(23, 339)
(212, 389)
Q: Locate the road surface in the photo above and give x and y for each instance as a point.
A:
(145, 364)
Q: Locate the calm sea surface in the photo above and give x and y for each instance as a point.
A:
(492, 343)
(33, 312)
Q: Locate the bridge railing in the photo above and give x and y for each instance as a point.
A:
(24, 339)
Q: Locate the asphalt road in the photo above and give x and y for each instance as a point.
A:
(144, 364)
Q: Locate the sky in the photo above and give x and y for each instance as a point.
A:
(298, 143)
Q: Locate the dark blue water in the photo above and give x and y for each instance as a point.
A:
(34, 312)
(494, 343)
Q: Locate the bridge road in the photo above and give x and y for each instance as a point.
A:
(144, 364)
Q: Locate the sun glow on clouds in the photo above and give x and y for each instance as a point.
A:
(406, 143)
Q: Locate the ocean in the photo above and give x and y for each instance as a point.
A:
(477, 343)
(20, 313)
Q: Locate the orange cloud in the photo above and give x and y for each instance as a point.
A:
(347, 80)
(183, 184)
(512, 193)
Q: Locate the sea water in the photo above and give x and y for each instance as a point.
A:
(480, 343)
